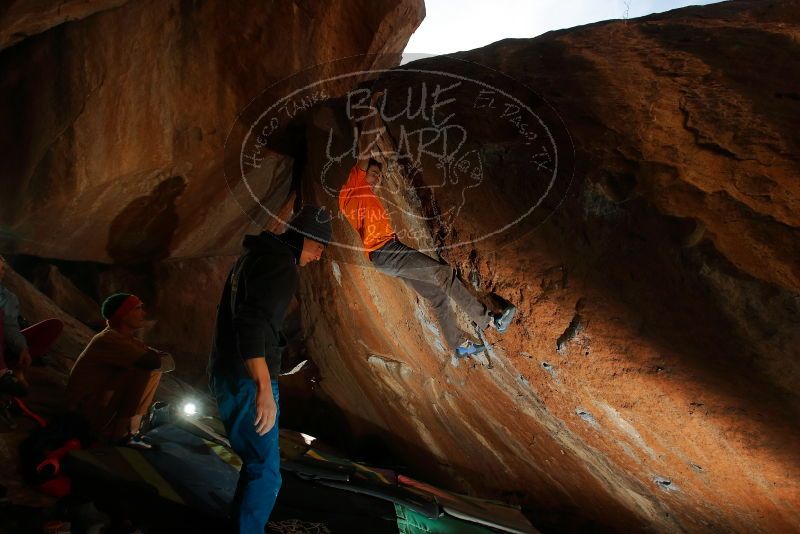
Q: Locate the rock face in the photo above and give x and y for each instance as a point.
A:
(115, 127)
(117, 122)
(650, 380)
(35, 307)
(21, 19)
(60, 289)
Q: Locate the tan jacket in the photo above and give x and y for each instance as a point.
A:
(108, 357)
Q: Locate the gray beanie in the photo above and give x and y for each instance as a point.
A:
(313, 222)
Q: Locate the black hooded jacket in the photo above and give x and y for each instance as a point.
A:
(266, 285)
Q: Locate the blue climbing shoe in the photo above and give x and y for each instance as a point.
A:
(137, 441)
(469, 348)
(502, 321)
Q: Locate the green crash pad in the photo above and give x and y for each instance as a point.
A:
(411, 522)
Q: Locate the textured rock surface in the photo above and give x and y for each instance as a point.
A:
(650, 380)
(124, 138)
(184, 308)
(35, 307)
(60, 289)
(22, 18)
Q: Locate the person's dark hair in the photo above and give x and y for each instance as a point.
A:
(374, 163)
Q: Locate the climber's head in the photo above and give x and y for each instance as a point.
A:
(123, 311)
(314, 224)
(374, 171)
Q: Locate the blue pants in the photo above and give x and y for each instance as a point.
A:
(260, 477)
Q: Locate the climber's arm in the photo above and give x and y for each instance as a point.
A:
(369, 132)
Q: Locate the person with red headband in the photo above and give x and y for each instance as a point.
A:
(114, 380)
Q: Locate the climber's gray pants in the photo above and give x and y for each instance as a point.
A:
(435, 282)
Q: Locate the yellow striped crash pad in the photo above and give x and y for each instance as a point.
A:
(193, 468)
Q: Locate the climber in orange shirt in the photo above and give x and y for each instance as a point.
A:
(363, 210)
(435, 281)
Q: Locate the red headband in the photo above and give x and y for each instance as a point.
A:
(127, 305)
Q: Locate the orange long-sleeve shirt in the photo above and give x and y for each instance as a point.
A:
(365, 212)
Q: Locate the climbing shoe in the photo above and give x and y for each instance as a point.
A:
(469, 348)
(501, 321)
(157, 415)
(137, 441)
(10, 385)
